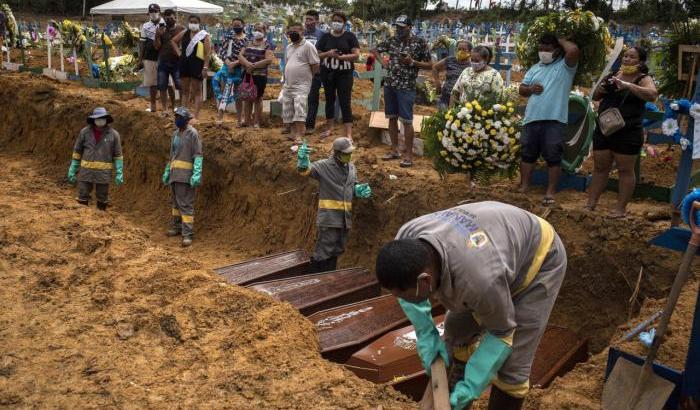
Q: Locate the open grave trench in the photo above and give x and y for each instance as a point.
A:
(253, 201)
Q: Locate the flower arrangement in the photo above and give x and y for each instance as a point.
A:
(11, 23)
(670, 126)
(583, 28)
(121, 69)
(127, 38)
(480, 137)
(74, 35)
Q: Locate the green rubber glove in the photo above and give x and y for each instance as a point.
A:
(480, 370)
(73, 171)
(196, 179)
(166, 174)
(303, 160)
(429, 344)
(119, 175)
(363, 191)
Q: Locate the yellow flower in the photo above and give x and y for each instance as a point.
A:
(456, 123)
(443, 153)
(509, 104)
(493, 132)
(439, 134)
(469, 130)
(511, 130)
(487, 126)
(510, 110)
(464, 166)
(477, 163)
(469, 140)
(490, 112)
(484, 113)
(469, 106)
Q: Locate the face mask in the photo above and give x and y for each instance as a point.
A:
(180, 122)
(101, 122)
(344, 158)
(294, 36)
(462, 55)
(258, 35)
(194, 27)
(629, 69)
(238, 30)
(403, 32)
(479, 66)
(169, 22)
(546, 57)
(154, 16)
(337, 26)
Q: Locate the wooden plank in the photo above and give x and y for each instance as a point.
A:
(438, 383)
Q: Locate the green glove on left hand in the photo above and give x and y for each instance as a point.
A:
(428, 342)
(303, 157)
(119, 175)
(481, 368)
(196, 179)
(363, 191)
(166, 174)
(73, 170)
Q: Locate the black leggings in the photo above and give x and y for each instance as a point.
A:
(340, 82)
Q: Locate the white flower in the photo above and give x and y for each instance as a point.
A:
(454, 127)
(471, 152)
(684, 143)
(596, 24)
(459, 156)
(669, 126)
(448, 124)
(477, 126)
(695, 111)
(506, 123)
(497, 107)
(674, 106)
(497, 125)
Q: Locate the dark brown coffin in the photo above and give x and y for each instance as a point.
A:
(393, 359)
(316, 292)
(346, 329)
(277, 266)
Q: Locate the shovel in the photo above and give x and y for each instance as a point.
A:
(437, 393)
(631, 387)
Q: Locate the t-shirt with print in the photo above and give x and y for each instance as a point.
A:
(167, 52)
(148, 36)
(232, 47)
(475, 84)
(553, 104)
(344, 44)
(297, 71)
(254, 53)
(401, 76)
(313, 36)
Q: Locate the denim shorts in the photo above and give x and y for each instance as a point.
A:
(165, 71)
(399, 103)
(544, 138)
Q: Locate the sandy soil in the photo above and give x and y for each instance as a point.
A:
(252, 202)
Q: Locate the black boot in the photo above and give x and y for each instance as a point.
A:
(102, 206)
(317, 266)
(500, 400)
(83, 201)
(332, 263)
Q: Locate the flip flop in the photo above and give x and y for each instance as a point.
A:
(406, 163)
(324, 135)
(548, 201)
(390, 156)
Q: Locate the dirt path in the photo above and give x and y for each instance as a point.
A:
(97, 315)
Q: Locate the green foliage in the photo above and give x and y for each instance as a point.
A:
(666, 60)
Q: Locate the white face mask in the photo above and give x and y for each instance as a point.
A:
(154, 16)
(546, 57)
(193, 27)
(258, 35)
(101, 122)
(337, 26)
(479, 66)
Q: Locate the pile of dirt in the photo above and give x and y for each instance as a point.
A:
(253, 202)
(96, 315)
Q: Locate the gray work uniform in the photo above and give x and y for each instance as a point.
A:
(502, 268)
(96, 162)
(184, 147)
(334, 218)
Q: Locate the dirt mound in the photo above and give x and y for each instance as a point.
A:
(96, 315)
(253, 202)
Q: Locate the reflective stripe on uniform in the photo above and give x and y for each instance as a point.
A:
(95, 165)
(334, 205)
(176, 212)
(518, 390)
(464, 352)
(76, 155)
(177, 164)
(546, 239)
(188, 219)
(119, 158)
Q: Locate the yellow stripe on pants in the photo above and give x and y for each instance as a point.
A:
(76, 155)
(188, 219)
(334, 205)
(518, 390)
(176, 212)
(95, 165)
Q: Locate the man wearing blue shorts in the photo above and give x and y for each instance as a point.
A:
(547, 85)
(407, 54)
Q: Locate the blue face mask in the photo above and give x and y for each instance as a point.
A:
(180, 122)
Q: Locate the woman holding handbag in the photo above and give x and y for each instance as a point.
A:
(255, 57)
(619, 134)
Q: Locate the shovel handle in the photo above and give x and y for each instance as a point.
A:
(438, 383)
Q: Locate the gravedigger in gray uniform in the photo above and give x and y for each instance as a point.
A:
(338, 185)
(497, 269)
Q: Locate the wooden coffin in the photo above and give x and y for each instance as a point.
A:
(316, 292)
(277, 266)
(393, 359)
(346, 329)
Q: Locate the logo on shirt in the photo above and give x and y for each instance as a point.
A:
(477, 239)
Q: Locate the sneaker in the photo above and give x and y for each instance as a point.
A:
(186, 241)
(173, 232)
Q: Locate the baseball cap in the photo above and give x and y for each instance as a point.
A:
(153, 8)
(403, 21)
(183, 112)
(343, 145)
